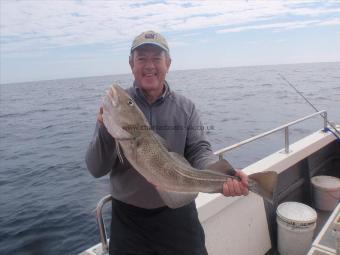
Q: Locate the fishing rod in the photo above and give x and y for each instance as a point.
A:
(297, 91)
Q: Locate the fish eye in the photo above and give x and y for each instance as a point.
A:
(130, 102)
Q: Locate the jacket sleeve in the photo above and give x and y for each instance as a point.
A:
(101, 153)
(198, 150)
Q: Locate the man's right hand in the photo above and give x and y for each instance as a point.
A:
(234, 187)
(100, 115)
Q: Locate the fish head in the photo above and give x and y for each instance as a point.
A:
(122, 115)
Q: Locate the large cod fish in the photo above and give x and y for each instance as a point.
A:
(177, 182)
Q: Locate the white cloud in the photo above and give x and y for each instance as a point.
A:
(334, 21)
(283, 25)
(38, 25)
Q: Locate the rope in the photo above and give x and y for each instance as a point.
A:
(330, 130)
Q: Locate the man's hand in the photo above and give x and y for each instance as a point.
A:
(234, 187)
(100, 115)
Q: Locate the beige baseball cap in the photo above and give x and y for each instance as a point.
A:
(150, 37)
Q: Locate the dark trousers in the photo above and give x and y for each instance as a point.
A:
(161, 231)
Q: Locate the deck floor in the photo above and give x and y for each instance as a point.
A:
(322, 218)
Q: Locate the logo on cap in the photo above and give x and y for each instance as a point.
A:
(150, 36)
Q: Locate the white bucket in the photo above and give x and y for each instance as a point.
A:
(326, 192)
(295, 228)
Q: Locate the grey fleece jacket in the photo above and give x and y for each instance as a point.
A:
(174, 118)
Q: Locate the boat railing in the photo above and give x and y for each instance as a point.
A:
(100, 222)
(220, 153)
(323, 113)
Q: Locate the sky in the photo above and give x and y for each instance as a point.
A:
(54, 39)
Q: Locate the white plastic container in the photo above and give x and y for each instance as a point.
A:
(295, 226)
(326, 192)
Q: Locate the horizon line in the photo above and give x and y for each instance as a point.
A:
(190, 69)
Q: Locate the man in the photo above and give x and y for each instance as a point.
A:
(141, 223)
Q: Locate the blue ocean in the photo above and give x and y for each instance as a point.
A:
(48, 196)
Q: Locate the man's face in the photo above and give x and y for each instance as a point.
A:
(149, 65)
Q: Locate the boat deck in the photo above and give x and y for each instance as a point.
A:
(323, 216)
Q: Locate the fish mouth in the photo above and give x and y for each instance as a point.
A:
(114, 96)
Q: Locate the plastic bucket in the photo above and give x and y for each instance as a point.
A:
(326, 192)
(295, 228)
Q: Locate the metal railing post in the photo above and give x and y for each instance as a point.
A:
(101, 225)
(286, 140)
(325, 121)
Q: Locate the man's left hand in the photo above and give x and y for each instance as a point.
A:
(234, 187)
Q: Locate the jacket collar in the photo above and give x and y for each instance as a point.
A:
(140, 94)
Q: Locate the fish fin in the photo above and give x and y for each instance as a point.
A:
(184, 161)
(222, 166)
(216, 174)
(176, 199)
(263, 184)
(119, 153)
